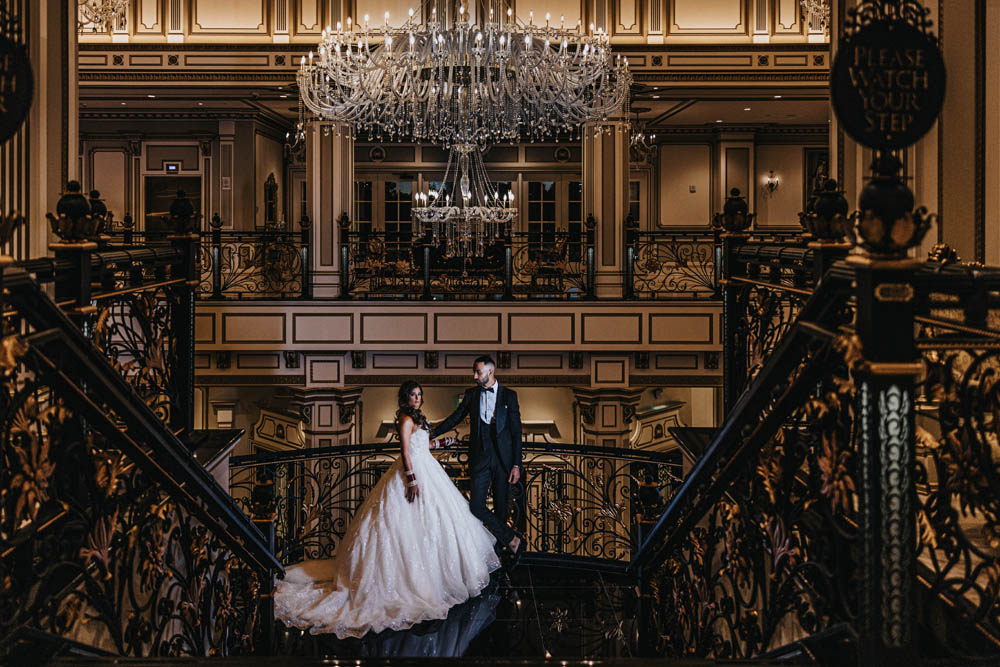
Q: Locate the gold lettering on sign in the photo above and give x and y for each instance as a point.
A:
(891, 83)
(894, 292)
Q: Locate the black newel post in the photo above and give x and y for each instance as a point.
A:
(185, 240)
(128, 226)
(216, 256)
(263, 512)
(886, 380)
(425, 249)
(508, 266)
(344, 224)
(734, 332)
(591, 224)
(76, 229)
(886, 227)
(305, 227)
(631, 250)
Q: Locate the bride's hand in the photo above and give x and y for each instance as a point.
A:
(412, 493)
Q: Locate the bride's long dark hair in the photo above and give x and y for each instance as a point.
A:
(406, 409)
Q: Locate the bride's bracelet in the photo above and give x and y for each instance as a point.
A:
(412, 482)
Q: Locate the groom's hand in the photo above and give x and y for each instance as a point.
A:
(515, 474)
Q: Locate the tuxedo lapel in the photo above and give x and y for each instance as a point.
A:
(499, 411)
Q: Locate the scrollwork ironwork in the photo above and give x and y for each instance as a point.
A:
(96, 552)
(674, 266)
(773, 559)
(574, 501)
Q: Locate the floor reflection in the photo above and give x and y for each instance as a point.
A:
(447, 638)
(533, 612)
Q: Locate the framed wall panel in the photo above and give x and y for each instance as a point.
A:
(309, 16)
(148, 17)
(243, 17)
(708, 17)
(787, 17)
(628, 17)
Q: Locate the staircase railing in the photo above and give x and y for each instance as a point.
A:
(852, 482)
(576, 504)
(113, 538)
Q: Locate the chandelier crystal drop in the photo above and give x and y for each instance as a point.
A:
(467, 211)
(476, 82)
(102, 15)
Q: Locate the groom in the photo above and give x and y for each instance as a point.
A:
(494, 449)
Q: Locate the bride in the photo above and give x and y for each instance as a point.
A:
(412, 551)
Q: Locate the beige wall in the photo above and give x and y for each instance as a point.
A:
(683, 166)
(537, 404)
(782, 206)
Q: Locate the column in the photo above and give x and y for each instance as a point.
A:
(605, 196)
(607, 415)
(329, 416)
(330, 188)
(53, 120)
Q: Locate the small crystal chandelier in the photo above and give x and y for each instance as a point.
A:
(103, 15)
(819, 10)
(641, 144)
(468, 212)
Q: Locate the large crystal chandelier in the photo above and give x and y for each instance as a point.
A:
(467, 212)
(101, 15)
(464, 84)
(472, 82)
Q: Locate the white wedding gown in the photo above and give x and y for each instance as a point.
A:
(399, 563)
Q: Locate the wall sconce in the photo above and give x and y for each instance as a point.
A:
(771, 182)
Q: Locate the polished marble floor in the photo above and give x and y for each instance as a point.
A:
(535, 611)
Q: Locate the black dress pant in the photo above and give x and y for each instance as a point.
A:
(488, 471)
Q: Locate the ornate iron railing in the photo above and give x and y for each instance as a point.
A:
(267, 264)
(575, 502)
(524, 265)
(846, 479)
(957, 457)
(755, 550)
(673, 265)
(113, 538)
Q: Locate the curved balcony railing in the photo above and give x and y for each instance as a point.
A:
(575, 503)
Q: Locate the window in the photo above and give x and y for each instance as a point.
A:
(398, 222)
(541, 214)
(363, 191)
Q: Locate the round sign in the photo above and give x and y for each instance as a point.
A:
(887, 84)
(16, 87)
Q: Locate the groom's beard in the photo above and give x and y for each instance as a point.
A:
(482, 383)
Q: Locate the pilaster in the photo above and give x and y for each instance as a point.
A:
(605, 196)
(330, 190)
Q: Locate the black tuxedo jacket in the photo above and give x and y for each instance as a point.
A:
(508, 418)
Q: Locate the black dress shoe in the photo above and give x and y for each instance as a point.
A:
(515, 556)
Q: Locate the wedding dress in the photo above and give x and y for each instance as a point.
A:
(399, 563)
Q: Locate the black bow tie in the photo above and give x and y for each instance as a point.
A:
(489, 389)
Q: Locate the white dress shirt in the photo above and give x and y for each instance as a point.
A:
(488, 402)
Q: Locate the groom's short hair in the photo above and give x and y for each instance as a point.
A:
(486, 360)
